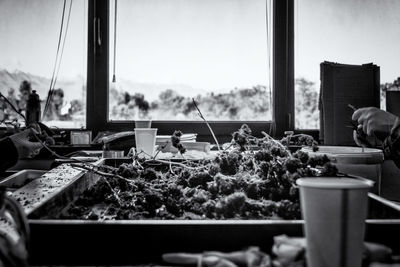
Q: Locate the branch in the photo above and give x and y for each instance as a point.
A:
(275, 141)
(13, 107)
(92, 168)
(175, 163)
(208, 125)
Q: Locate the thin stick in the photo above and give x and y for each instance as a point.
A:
(208, 125)
(275, 141)
(12, 106)
(175, 163)
(90, 167)
(113, 191)
(170, 168)
(103, 176)
(230, 145)
(52, 152)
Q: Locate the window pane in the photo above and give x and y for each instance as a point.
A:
(29, 33)
(350, 32)
(168, 52)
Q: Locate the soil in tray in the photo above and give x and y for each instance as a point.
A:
(236, 185)
(155, 195)
(239, 183)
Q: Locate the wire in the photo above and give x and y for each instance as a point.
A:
(115, 40)
(61, 56)
(62, 38)
(49, 94)
(269, 47)
(63, 45)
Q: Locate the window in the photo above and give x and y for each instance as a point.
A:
(168, 52)
(30, 35)
(280, 20)
(350, 32)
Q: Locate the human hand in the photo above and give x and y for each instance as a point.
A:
(374, 122)
(25, 147)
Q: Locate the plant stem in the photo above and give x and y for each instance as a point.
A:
(175, 163)
(208, 125)
(13, 107)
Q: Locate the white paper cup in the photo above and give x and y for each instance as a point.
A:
(145, 141)
(334, 210)
(142, 123)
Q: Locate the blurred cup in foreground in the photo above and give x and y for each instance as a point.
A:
(142, 123)
(334, 210)
(145, 141)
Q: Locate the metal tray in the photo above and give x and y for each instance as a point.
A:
(21, 178)
(127, 242)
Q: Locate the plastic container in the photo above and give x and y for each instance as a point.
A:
(366, 163)
(334, 210)
(145, 141)
(142, 123)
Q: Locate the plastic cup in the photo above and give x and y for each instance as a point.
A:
(145, 141)
(334, 210)
(142, 124)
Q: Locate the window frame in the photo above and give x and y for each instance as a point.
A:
(282, 86)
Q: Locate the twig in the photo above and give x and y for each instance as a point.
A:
(175, 163)
(208, 125)
(229, 146)
(113, 191)
(103, 176)
(13, 107)
(170, 168)
(52, 152)
(160, 148)
(255, 165)
(134, 156)
(92, 168)
(275, 141)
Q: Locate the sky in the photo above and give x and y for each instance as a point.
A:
(29, 31)
(347, 31)
(207, 44)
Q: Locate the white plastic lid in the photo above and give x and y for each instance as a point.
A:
(146, 129)
(334, 183)
(348, 154)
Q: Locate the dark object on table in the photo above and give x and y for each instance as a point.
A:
(33, 108)
(393, 98)
(342, 84)
(116, 141)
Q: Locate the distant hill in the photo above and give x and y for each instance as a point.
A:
(72, 88)
(153, 90)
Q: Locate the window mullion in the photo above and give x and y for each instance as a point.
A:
(283, 65)
(98, 50)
